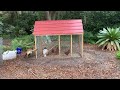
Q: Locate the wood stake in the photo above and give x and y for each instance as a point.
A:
(71, 46)
(35, 48)
(81, 44)
(59, 43)
(41, 45)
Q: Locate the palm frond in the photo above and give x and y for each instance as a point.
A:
(109, 38)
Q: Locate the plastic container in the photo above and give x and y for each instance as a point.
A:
(8, 55)
(19, 50)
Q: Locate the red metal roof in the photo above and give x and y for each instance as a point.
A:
(58, 27)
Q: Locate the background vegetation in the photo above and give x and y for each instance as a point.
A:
(17, 23)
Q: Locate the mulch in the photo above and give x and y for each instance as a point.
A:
(95, 64)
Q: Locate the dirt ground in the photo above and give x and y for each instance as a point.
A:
(95, 64)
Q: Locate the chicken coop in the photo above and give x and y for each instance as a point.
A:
(59, 37)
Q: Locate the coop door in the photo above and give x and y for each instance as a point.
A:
(65, 45)
(76, 46)
(70, 45)
(51, 43)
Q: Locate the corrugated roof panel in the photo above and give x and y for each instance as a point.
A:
(58, 27)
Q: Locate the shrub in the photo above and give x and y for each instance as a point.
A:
(89, 37)
(5, 48)
(24, 42)
(118, 54)
(109, 39)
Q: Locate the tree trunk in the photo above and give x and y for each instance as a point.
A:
(54, 15)
(51, 15)
(85, 19)
(19, 12)
(48, 15)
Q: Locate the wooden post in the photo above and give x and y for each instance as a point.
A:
(41, 45)
(35, 47)
(59, 43)
(81, 44)
(71, 46)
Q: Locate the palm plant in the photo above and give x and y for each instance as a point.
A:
(109, 39)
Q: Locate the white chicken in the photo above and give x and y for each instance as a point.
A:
(45, 52)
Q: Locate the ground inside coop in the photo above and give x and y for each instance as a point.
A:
(64, 50)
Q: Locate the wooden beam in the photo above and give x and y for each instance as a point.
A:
(41, 45)
(35, 47)
(81, 44)
(71, 46)
(59, 43)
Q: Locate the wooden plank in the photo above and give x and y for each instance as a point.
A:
(71, 45)
(59, 44)
(35, 46)
(41, 45)
(81, 44)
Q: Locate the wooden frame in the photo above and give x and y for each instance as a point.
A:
(41, 45)
(59, 44)
(35, 46)
(71, 44)
(80, 36)
(81, 44)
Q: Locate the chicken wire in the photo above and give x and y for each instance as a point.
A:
(65, 44)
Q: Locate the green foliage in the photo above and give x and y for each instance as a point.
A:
(93, 21)
(1, 27)
(109, 39)
(15, 25)
(22, 23)
(5, 48)
(89, 37)
(25, 22)
(24, 42)
(117, 54)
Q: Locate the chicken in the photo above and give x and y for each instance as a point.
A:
(56, 51)
(67, 52)
(45, 52)
(29, 52)
(53, 50)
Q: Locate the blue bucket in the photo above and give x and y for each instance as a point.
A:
(19, 50)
